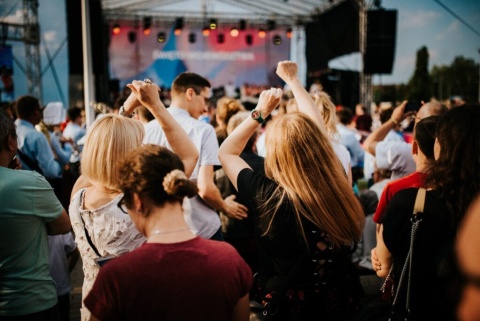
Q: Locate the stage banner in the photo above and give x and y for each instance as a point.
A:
(236, 60)
(6, 73)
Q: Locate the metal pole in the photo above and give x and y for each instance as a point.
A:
(479, 78)
(88, 83)
(365, 80)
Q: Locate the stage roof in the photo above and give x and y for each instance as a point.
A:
(284, 12)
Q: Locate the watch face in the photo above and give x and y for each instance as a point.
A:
(256, 114)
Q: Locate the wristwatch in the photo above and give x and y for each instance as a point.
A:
(122, 112)
(257, 115)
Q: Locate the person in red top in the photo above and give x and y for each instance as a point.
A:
(422, 150)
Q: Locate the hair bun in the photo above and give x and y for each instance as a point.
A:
(170, 181)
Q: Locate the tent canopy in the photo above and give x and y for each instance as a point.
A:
(284, 12)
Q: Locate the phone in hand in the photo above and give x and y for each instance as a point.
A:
(101, 261)
(412, 107)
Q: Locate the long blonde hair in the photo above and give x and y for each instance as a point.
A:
(303, 163)
(329, 113)
(327, 110)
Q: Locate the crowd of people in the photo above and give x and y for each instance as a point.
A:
(182, 208)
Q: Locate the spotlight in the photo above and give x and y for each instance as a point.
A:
(132, 36)
(161, 37)
(147, 24)
(249, 39)
(242, 24)
(192, 38)
(116, 29)
(213, 24)
(277, 40)
(220, 38)
(262, 33)
(234, 32)
(206, 31)
(178, 26)
(289, 33)
(271, 25)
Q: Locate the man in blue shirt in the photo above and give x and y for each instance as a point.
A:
(34, 149)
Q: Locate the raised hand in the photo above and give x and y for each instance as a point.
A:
(269, 100)
(287, 70)
(145, 93)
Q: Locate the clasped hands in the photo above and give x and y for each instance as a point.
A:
(143, 93)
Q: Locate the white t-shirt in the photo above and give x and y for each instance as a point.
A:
(395, 156)
(203, 220)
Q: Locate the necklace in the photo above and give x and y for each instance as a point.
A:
(168, 232)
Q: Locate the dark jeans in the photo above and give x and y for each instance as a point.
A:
(51, 314)
(64, 307)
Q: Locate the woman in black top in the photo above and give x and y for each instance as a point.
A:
(306, 213)
(453, 182)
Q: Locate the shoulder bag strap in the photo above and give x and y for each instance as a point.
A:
(89, 240)
(418, 208)
(29, 162)
(94, 248)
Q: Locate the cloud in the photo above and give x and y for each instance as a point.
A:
(50, 36)
(418, 19)
(17, 17)
(452, 30)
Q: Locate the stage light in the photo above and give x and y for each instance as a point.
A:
(234, 32)
(289, 33)
(242, 24)
(220, 38)
(132, 36)
(277, 40)
(116, 29)
(147, 25)
(271, 25)
(213, 24)
(205, 31)
(192, 38)
(262, 33)
(178, 26)
(161, 37)
(249, 40)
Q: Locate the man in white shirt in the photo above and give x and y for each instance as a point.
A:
(190, 95)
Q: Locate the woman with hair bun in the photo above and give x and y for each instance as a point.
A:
(175, 275)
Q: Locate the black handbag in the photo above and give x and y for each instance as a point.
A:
(403, 313)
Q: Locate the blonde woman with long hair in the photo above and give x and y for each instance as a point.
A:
(307, 216)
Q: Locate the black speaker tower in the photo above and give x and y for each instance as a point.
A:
(380, 44)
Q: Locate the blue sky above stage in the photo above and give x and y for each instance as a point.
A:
(420, 23)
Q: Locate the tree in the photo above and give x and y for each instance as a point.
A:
(419, 86)
(458, 79)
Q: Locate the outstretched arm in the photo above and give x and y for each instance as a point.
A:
(287, 70)
(229, 152)
(147, 95)
(378, 135)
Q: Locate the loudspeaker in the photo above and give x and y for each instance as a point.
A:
(380, 44)
(331, 34)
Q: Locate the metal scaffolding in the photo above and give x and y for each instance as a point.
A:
(29, 34)
(32, 48)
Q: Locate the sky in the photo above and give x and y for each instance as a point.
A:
(419, 23)
(426, 23)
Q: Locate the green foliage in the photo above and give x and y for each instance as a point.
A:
(419, 86)
(458, 79)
